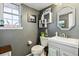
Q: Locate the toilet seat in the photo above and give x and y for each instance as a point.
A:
(37, 50)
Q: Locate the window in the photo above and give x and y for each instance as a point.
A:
(11, 15)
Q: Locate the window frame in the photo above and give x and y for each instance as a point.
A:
(20, 17)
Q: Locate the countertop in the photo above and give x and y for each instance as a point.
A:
(67, 41)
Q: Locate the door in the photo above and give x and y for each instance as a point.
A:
(53, 51)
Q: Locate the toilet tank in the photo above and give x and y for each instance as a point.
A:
(43, 41)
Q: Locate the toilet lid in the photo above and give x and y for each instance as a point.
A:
(37, 48)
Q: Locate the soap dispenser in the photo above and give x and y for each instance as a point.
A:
(56, 33)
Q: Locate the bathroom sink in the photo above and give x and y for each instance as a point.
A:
(67, 41)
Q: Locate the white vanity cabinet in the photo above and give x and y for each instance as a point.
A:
(66, 53)
(58, 48)
(53, 51)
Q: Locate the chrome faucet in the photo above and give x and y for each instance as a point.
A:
(63, 35)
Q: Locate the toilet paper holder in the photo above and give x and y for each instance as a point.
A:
(29, 43)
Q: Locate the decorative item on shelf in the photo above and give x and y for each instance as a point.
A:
(1, 22)
(11, 26)
(40, 24)
(32, 18)
(43, 24)
(42, 34)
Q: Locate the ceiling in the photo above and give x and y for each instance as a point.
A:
(38, 6)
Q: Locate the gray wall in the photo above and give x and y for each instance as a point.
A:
(18, 38)
(74, 32)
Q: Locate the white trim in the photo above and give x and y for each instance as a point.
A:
(3, 28)
(47, 11)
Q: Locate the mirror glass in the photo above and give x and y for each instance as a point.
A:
(66, 18)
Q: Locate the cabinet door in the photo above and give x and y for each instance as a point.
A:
(53, 51)
(65, 53)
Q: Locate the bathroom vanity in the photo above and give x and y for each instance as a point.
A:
(60, 46)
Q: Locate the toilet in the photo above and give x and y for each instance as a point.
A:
(38, 50)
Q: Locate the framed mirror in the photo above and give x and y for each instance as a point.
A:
(66, 18)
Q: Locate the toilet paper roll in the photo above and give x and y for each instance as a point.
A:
(29, 42)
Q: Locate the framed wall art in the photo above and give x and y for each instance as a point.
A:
(32, 18)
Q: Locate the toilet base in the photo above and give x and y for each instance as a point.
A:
(36, 55)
